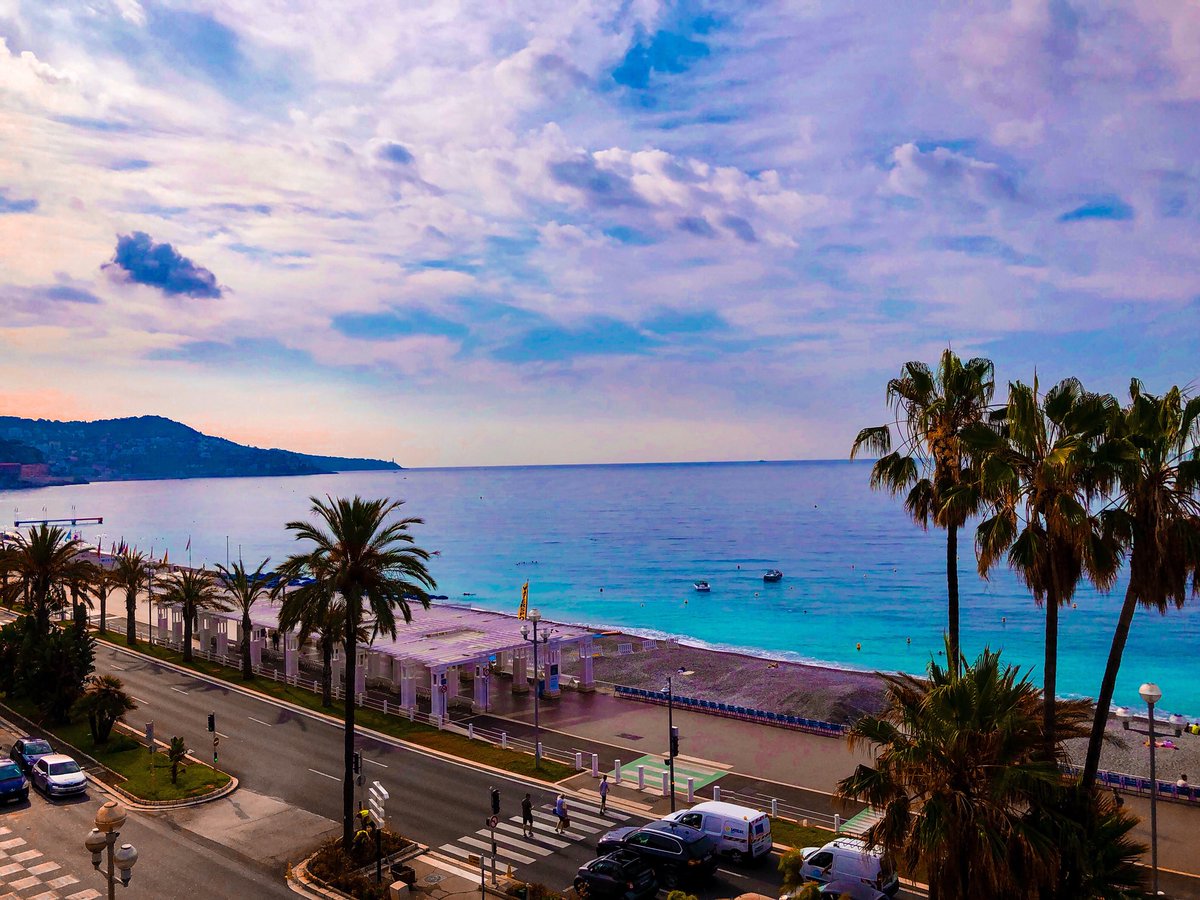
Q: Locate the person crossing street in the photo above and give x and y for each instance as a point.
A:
(527, 816)
(603, 794)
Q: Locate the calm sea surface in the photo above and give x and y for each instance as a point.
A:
(621, 546)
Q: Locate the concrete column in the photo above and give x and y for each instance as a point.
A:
(587, 680)
(553, 669)
(482, 679)
(520, 682)
(257, 640)
(291, 654)
(203, 630)
(360, 671)
(408, 684)
(177, 624)
(437, 691)
(221, 627)
(162, 624)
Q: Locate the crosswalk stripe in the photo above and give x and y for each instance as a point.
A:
(586, 829)
(573, 815)
(511, 840)
(487, 848)
(504, 826)
(456, 851)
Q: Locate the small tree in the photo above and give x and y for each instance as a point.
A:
(104, 702)
(176, 752)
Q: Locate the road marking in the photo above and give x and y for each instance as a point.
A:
(511, 839)
(179, 690)
(119, 668)
(541, 838)
(330, 777)
(372, 762)
(732, 874)
(501, 852)
(260, 721)
(219, 734)
(139, 700)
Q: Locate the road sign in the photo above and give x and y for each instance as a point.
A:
(375, 808)
(493, 821)
(379, 791)
(216, 741)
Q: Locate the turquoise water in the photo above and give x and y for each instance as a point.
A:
(621, 545)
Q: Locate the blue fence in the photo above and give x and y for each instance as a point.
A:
(798, 723)
(1135, 784)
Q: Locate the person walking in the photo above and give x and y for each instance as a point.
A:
(603, 794)
(560, 812)
(527, 816)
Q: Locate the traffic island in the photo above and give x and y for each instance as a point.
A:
(331, 872)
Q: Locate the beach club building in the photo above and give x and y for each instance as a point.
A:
(452, 654)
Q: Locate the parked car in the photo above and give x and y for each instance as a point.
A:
(13, 785)
(849, 859)
(849, 889)
(27, 750)
(57, 775)
(618, 876)
(675, 852)
(738, 830)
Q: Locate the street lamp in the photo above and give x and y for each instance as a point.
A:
(150, 572)
(672, 733)
(535, 617)
(1151, 693)
(109, 818)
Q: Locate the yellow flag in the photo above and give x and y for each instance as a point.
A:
(522, 613)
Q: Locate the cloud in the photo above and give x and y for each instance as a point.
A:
(601, 187)
(1111, 208)
(160, 265)
(13, 205)
(941, 172)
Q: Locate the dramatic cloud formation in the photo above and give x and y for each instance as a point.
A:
(163, 267)
(670, 229)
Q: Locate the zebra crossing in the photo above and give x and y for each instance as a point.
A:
(514, 848)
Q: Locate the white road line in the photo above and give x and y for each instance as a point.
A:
(586, 829)
(179, 690)
(506, 854)
(512, 841)
(322, 774)
(119, 668)
(574, 814)
(260, 721)
(219, 734)
(372, 762)
(139, 701)
(543, 839)
(732, 874)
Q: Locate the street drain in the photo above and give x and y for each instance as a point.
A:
(432, 879)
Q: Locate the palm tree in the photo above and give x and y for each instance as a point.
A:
(1157, 516)
(194, 590)
(246, 589)
(104, 702)
(103, 580)
(960, 763)
(1042, 464)
(177, 752)
(131, 572)
(931, 411)
(44, 563)
(376, 568)
(320, 613)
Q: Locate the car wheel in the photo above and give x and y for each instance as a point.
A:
(670, 878)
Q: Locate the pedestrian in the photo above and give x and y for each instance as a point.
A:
(560, 812)
(603, 794)
(527, 816)
(1182, 787)
(1118, 799)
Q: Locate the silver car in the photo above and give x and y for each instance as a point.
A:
(57, 775)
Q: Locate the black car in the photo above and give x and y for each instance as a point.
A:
(618, 876)
(28, 750)
(675, 852)
(13, 785)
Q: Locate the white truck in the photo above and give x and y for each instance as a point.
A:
(738, 830)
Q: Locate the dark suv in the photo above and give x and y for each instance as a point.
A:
(619, 876)
(28, 750)
(675, 852)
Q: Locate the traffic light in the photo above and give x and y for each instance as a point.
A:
(495, 802)
(212, 722)
(674, 741)
(357, 763)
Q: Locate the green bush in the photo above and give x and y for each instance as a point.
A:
(681, 895)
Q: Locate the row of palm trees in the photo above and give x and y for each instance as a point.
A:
(360, 572)
(1068, 484)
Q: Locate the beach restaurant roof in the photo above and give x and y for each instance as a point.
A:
(444, 634)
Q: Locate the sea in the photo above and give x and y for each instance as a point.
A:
(620, 546)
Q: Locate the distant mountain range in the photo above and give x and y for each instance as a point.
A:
(36, 452)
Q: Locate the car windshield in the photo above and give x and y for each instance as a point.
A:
(33, 748)
(9, 770)
(70, 767)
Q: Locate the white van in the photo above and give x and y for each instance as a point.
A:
(849, 859)
(738, 830)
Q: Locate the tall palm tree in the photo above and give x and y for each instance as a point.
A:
(931, 411)
(44, 563)
(1041, 466)
(323, 614)
(194, 590)
(1157, 516)
(959, 765)
(245, 589)
(131, 573)
(376, 568)
(103, 580)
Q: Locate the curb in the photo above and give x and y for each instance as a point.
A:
(127, 799)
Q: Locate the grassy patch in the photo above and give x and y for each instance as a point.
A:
(795, 835)
(447, 742)
(147, 776)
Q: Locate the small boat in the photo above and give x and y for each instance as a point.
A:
(772, 575)
(702, 586)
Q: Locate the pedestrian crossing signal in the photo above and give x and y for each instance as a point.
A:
(674, 740)
(212, 722)
(495, 802)
(357, 762)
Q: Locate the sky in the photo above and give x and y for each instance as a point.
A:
(490, 233)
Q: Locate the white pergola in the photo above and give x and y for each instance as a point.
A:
(442, 647)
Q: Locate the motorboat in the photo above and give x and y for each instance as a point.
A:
(702, 587)
(772, 575)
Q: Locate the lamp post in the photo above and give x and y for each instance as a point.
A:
(1151, 693)
(535, 617)
(109, 818)
(672, 734)
(150, 573)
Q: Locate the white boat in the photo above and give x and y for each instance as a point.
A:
(772, 575)
(702, 586)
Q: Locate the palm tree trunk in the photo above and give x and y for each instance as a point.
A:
(247, 672)
(103, 611)
(1050, 673)
(1107, 685)
(326, 670)
(130, 621)
(952, 595)
(187, 634)
(352, 605)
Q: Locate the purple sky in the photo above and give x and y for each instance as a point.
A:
(597, 231)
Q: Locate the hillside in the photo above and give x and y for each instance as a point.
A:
(150, 447)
